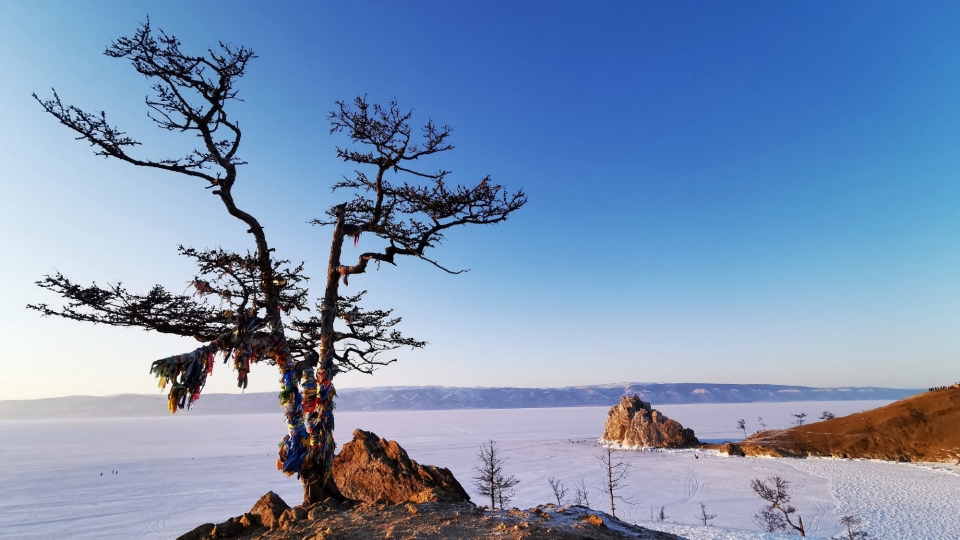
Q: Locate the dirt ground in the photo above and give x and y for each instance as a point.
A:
(438, 521)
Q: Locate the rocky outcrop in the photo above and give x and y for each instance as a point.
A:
(634, 423)
(267, 512)
(372, 469)
(462, 521)
(269, 509)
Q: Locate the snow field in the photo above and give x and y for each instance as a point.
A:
(179, 471)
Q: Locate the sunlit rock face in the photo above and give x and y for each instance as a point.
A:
(634, 423)
(372, 469)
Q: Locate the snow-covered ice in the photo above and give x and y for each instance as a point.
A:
(179, 471)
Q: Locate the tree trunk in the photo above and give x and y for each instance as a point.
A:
(317, 480)
(613, 509)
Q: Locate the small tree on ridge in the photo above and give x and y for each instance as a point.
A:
(853, 532)
(615, 472)
(581, 495)
(704, 517)
(559, 491)
(490, 479)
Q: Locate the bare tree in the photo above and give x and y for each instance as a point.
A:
(800, 418)
(247, 306)
(776, 492)
(770, 520)
(489, 479)
(763, 427)
(409, 217)
(662, 516)
(742, 424)
(581, 497)
(615, 470)
(559, 491)
(505, 493)
(827, 415)
(852, 523)
(704, 517)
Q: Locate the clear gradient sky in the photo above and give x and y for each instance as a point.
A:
(737, 192)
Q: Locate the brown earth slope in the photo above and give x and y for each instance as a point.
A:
(925, 427)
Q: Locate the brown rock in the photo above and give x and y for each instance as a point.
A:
(269, 508)
(634, 423)
(594, 519)
(732, 449)
(291, 515)
(198, 533)
(369, 469)
(228, 528)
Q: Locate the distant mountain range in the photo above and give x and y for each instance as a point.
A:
(388, 398)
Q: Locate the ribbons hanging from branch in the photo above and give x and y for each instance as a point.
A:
(306, 390)
(187, 373)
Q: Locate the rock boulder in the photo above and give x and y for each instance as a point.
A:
(634, 423)
(372, 469)
(269, 509)
(732, 449)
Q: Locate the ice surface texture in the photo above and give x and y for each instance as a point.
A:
(178, 472)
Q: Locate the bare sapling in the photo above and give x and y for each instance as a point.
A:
(662, 516)
(559, 490)
(776, 492)
(615, 472)
(853, 532)
(742, 424)
(490, 480)
(800, 418)
(763, 427)
(704, 517)
(581, 496)
(770, 520)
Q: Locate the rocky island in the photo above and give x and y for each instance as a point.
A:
(633, 423)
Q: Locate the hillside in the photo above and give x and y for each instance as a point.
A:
(925, 427)
(444, 398)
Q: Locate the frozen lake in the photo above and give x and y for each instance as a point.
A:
(179, 471)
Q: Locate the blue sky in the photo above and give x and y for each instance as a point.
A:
(756, 192)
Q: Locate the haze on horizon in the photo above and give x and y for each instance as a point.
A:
(732, 193)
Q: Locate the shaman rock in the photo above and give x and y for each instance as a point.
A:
(633, 423)
(372, 469)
